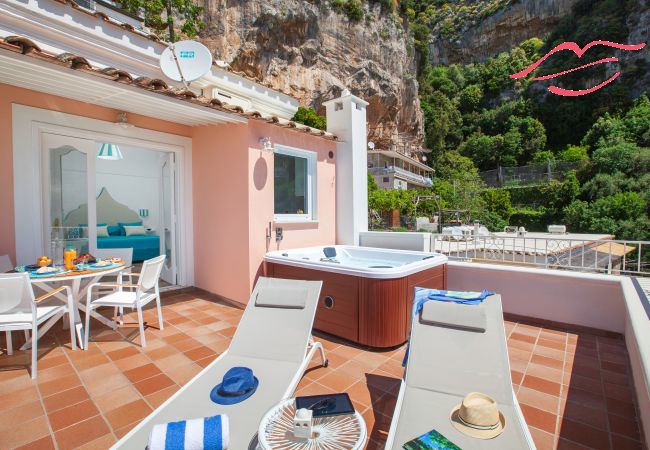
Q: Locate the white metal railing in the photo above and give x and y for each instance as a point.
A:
(609, 256)
(409, 176)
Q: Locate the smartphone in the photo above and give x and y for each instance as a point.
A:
(326, 405)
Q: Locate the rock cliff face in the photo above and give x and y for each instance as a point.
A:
(638, 23)
(502, 31)
(307, 49)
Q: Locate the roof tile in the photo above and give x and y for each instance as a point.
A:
(120, 75)
(20, 44)
(26, 45)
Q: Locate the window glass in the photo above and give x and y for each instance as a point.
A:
(291, 190)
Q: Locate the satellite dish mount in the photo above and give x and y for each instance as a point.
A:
(178, 66)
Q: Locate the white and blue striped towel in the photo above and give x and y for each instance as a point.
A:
(196, 434)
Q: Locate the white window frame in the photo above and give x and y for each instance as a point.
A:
(311, 157)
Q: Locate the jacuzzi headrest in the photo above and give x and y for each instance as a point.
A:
(454, 315)
(281, 297)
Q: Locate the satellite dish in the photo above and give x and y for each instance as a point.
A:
(371, 145)
(185, 61)
(222, 64)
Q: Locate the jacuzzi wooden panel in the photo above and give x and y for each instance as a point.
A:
(369, 311)
(342, 318)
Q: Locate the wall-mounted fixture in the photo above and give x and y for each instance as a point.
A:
(266, 143)
(110, 151)
(123, 120)
(278, 234)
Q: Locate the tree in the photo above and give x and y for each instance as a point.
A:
(497, 201)
(470, 98)
(310, 118)
(442, 122)
(164, 15)
(637, 121)
(372, 184)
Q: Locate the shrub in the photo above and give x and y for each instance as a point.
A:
(310, 118)
(354, 10)
(619, 157)
(531, 219)
(575, 153)
(492, 221)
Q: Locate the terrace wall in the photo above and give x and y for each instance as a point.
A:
(588, 300)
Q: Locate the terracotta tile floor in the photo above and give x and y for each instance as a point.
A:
(574, 388)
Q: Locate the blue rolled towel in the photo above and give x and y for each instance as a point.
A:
(196, 434)
(423, 295)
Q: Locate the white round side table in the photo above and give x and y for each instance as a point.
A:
(346, 432)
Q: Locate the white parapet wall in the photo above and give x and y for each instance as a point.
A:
(583, 299)
(637, 340)
(420, 242)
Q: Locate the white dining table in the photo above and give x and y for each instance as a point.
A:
(79, 283)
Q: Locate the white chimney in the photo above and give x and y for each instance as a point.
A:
(346, 118)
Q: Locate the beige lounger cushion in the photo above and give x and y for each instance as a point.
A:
(444, 365)
(282, 297)
(272, 342)
(454, 315)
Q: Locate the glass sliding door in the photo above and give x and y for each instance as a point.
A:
(168, 217)
(68, 197)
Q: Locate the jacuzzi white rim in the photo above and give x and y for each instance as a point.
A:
(388, 273)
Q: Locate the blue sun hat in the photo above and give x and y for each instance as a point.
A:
(237, 385)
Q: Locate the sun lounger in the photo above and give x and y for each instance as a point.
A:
(455, 350)
(273, 339)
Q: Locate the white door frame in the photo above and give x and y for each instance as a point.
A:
(30, 123)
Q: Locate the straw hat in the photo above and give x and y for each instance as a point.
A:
(478, 416)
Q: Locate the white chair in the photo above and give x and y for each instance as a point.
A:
(19, 310)
(144, 291)
(126, 255)
(5, 264)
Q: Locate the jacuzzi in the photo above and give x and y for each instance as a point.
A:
(367, 292)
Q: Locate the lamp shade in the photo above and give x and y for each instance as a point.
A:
(110, 151)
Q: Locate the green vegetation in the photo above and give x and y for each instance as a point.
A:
(310, 118)
(163, 16)
(478, 118)
(353, 9)
(446, 18)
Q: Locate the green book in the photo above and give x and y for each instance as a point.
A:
(431, 441)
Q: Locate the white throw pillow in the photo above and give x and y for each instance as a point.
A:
(135, 230)
(102, 231)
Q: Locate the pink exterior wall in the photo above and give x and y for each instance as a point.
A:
(220, 193)
(10, 94)
(233, 204)
(261, 195)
